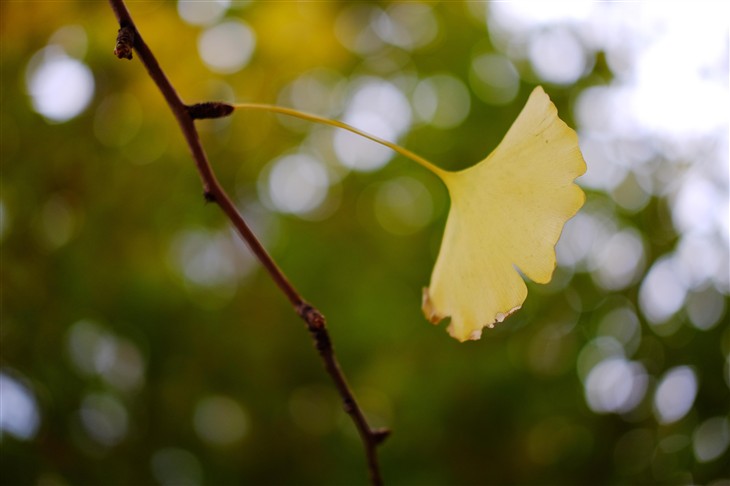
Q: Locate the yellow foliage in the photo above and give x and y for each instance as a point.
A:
(507, 214)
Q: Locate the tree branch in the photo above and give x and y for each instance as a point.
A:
(129, 38)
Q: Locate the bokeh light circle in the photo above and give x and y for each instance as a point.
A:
(675, 394)
(297, 184)
(227, 47)
(60, 87)
(202, 12)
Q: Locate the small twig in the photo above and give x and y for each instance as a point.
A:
(129, 37)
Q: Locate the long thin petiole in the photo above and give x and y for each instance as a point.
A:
(338, 124)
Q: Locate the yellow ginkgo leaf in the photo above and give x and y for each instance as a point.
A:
(507, 213)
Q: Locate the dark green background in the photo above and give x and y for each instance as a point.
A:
(508, 409)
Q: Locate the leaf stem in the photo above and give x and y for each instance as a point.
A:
(441, 173)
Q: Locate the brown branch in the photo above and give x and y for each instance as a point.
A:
(129, 37)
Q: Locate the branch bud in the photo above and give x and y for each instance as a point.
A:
(125, 43)
(209, 109)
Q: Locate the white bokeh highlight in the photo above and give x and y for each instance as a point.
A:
(202, 12)
(557, 56)
(675, 394)
(19, 413)
(615, 385)
(297, 184)
(227, 47)
(377, 107)
(60, 86)
(661, 293)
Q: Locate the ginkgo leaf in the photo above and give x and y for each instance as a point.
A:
(506, 215)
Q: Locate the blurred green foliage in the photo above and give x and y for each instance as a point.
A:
(154, 350)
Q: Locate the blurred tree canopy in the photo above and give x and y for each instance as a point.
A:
(142, 344)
